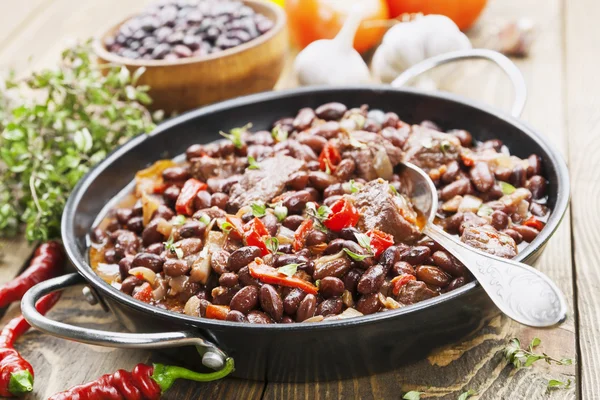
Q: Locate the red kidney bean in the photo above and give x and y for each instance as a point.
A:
(333, 190)
(331, 111)
(518, 176)
(176, 267)
(351, 279)
(328, 130)
(259, 317)
(156, 248)
(345, 169)
(432, 275)
(331, 287)
(416, 255)
(337, 268)
(456, 188)
(456, 283)
(537, 186)
(202, 200)
(402, 268)
(222, 296)
(130, 283)
(307, 307)
(371, 280)
(242, 257)
(285, 259)
(286, 320)
(335, 246)
(112, 226)
(538, 210)
(98, 235)
(448, 263)
(390, 256)
(246, 279)
(148, 260)
(390, 119)
(203, 304)
(503, 174)
(219, 200)
(136, 224)
(175, 174)
(138, 209)
(219, 261)
(188, 246)
(452, 224)
(315, 237)
(263, 138)
(292, 221)
(298, 180)
(528, 233)
(192, 229)
(194, 151)
(499, 220)
(321, 180)
(451, 172)
(466, 139)
(296, 202)
(271, 223)
(535, 165)
(228, 279)
(124, 267)
(304, 119)
(398, 137)
(292, 301)
(315, 142)
(245, 300)
(331, 200)
(482, 177)
(236, 316)
(127, 243)
(517, 237)
(163, 212)
(331, 306)
(123, 215)
(368, 304)
(314, 194)
(271, 302)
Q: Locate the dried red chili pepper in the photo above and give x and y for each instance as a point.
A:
(145, 382)
(190, 189)
(46, 263)
(533, 222)
(256, 234)
(400, 281)
(329, 158)
(268, 274)
(301, 232)
(379, 241)
(16, 374)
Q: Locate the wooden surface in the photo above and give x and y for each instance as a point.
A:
(563, 103)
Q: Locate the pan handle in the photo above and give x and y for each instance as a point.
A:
(509, 68)
(212, 356)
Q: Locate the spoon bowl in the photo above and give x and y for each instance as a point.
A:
(521, 292)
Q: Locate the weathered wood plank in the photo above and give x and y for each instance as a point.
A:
(583, 117)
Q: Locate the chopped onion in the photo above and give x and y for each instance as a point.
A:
(470, 203)
(285, 235)
(108, 272)
(316, 318)
(523, 209)
(512, 200)
(144, 273)
(201, 268)
(178, 284)
(192, 307)
(160, 291)
(325, 259)
(452, 204)
(149, 205)
(164, 227)
(382, 164)
(348, 313)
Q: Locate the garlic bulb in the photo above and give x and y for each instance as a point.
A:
(333, 61)
(408, 43)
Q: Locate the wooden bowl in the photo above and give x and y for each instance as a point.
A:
(187, 83)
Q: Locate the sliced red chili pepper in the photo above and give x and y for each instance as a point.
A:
(144, 294)
(533, 222)
(216, 312)
(467, 160)
(270, 275)
(400, 281)
(238, 227)
(159, 188)
(343, 215)
(301, 232)
(380, 241)
(185, 201)
(256, 234)
(329, 157)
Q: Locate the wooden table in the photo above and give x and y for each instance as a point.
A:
(563, 83)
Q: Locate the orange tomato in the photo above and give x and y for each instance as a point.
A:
(311, 20)
(462, 12)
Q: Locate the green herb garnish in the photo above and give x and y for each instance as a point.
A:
(364, 241)
(252, 163)
(280, 212)
(412, 395)
(205, 219)
(467, 394)
(357, 257)
(393, 190)
(226, 226)
(272, 244)
(318, 214)
(289, 269)
(485, 210)
(554, 384)
(55, 125)
(259, 209)
(235, 135)
(445, 146)
(506, 188)
(318, 283)
(279, 135)
(173, 248)
(526, 357)
(353, 186)
(179, 220)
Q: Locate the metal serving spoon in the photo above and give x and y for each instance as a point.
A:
(518, 290)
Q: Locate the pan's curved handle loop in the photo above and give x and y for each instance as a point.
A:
(509, 68)
(212, 356)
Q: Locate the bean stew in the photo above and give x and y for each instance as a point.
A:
(308, 222)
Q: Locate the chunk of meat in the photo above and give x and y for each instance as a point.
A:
(414, 292)
(381, 209)
(488, 239)
(377, 160)
(495, 160)
(428, 149)
(206, 167)
(265, 183)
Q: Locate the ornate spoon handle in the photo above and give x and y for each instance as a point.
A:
(518, 290)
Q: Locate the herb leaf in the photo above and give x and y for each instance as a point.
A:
(179, 220)
(364, 241)
(272, 244)
(526, 357)
(226, 226)
(252, 163)
(259, 209)
(554, 384)
(354, 186)
(356, 257)
(444, 147)
(467, 394)
(412, 395)
(279, 134)
(280, 212)
(506, 188)
(289, 269)
(173, 248)
(235, 135)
